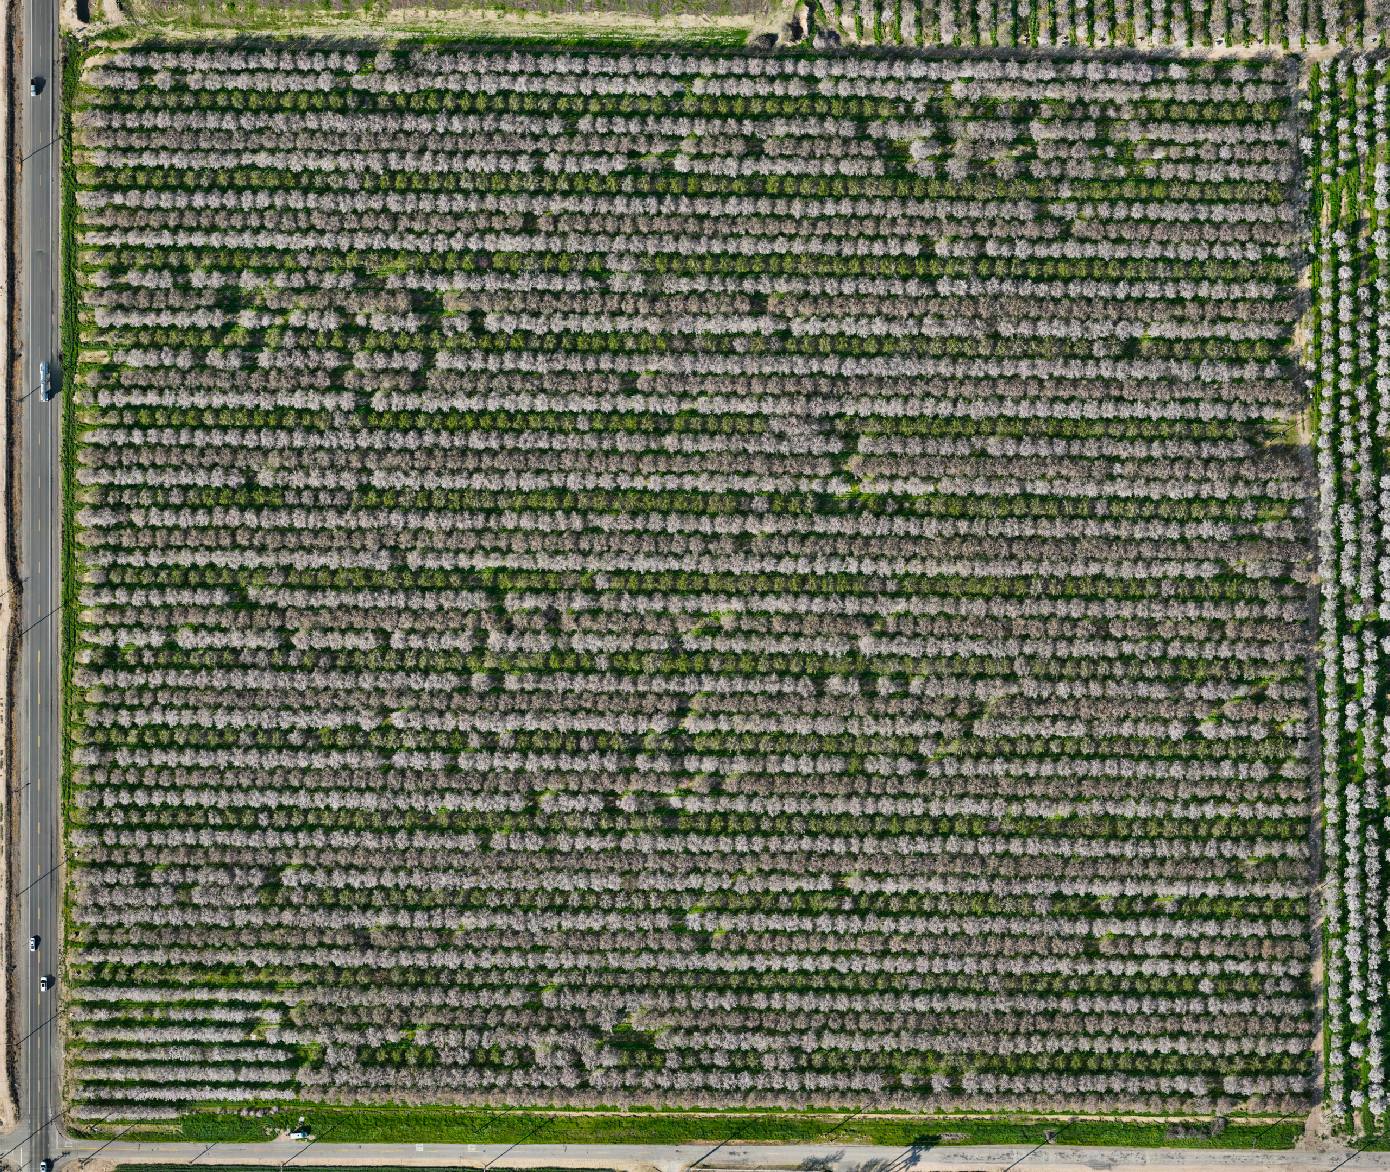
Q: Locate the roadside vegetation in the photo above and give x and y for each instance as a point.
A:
(438, 1125)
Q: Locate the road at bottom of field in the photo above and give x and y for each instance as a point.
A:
(675, 1158)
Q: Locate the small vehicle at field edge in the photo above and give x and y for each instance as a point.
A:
(45, 383)
(33, 943)
(45, 1166)
(46, 982)
(301, 1133)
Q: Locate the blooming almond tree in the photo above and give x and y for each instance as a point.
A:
(799, 557)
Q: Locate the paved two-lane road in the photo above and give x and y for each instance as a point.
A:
(38, 515)
(707, 1158)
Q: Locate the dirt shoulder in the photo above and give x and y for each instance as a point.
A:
(9, 207)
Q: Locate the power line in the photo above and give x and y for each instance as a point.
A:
(83, 1160)
(37, 1131)
(1044, 1144)
(311, 1143)
(1362, 1148)
(522, 1140)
